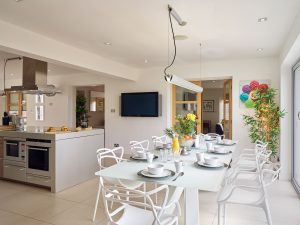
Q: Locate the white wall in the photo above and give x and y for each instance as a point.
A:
(289, 56)
(121, 130)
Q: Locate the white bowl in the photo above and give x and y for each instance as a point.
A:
(219, 149)
(141, 154)
(156, 169)
(211, 160)
(208, 138)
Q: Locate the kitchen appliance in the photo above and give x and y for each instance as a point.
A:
(14, 159)
(34, 79)
(38, 157)
(14, 149)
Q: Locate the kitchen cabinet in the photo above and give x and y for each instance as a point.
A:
(16, 103)
(14, 171)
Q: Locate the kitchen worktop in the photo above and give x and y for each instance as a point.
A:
(41, 133)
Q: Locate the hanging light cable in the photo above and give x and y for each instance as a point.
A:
(172, 78)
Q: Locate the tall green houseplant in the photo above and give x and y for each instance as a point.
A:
(264, 124)
(80, 108)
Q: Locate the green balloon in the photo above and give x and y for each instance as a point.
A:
(249, 103)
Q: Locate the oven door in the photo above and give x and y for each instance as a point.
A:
(38, 160)
(13, 150)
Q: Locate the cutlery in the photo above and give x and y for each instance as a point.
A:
(179, 175)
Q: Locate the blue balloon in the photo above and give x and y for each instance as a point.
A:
(244, 97)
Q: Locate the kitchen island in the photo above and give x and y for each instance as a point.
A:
(56, 160)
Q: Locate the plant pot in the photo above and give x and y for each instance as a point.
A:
(186, 143)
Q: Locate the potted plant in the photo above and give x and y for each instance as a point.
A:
(81, 110)
(264, 123)
(184, 130)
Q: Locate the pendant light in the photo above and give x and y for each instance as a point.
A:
(170, 77)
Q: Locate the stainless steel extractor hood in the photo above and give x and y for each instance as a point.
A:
(34, 79)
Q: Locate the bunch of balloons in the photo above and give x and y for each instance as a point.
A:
(249, 94)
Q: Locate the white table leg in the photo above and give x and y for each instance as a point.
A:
(191, 206)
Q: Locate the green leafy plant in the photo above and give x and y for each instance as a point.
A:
(80, 108)
(185, 126)
(264, 124)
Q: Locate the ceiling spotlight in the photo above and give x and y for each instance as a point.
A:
(176, 16)
(262, 19)
(107, 43)
(18, 0)
(11, 74)
(146, 61)
(49, 70)
(260, 49)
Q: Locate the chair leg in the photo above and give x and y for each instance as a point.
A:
(97, 201)
(221, 214)
(266, 208)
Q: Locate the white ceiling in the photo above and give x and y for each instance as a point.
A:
(138, 30)
(14, 68)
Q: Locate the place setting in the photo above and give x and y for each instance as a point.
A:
(208, 161)
(215, 149)
(225, 142)
(143, 156)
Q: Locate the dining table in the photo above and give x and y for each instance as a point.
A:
(196, 178)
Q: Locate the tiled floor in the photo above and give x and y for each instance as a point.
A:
(25, 205)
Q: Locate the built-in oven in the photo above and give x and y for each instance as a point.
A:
(38, 157)
(14, 149)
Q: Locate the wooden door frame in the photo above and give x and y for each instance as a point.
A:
(198, 102)
(230, 107)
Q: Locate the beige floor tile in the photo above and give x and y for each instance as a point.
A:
(78, 215)
(9, 188)
(53, 207)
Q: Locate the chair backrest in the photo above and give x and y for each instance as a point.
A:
(159, 141)
(139, 146)
(271, 174)
(123, 197)
(115, 155)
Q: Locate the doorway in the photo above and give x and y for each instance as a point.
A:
(213, 107)
(217, 105)
(90, 105)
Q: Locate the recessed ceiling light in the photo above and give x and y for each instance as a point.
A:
(181, 37)
(146, 61)
(262, 19)
(49, 70)
(18, 0)
(260, 49)
(11, 74)
(107, 43)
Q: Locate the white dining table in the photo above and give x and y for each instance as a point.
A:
(195, 178)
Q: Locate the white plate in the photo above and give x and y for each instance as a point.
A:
(165, 173)
(138, 157)
(220, 152)
(217, 165)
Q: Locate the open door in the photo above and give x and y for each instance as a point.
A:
(186, 101)
(227, 120)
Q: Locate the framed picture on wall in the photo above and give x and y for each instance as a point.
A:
(208, 106)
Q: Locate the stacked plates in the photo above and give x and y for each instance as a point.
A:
(220, 150)
(166, 173)
(136, 157)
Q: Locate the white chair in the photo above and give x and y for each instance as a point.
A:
(139, 146)
(133, 212)
(159, 141)
(254, 194)
(115, 156)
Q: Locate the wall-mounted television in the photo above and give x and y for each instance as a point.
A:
(140, 104)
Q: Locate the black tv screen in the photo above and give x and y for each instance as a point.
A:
(140, 104)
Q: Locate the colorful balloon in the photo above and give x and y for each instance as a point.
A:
(253, 95)
(249, 103)
(263, 87)
(246, 88)
(254, 85)
(244, 97)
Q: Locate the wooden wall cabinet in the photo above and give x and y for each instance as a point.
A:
(16, 103)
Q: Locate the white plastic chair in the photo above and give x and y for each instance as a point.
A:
(159, 141)
(139, 146)
(116, 156)
(252, 195)
(133, 212)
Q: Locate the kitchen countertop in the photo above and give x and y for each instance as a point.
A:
(41, 133)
